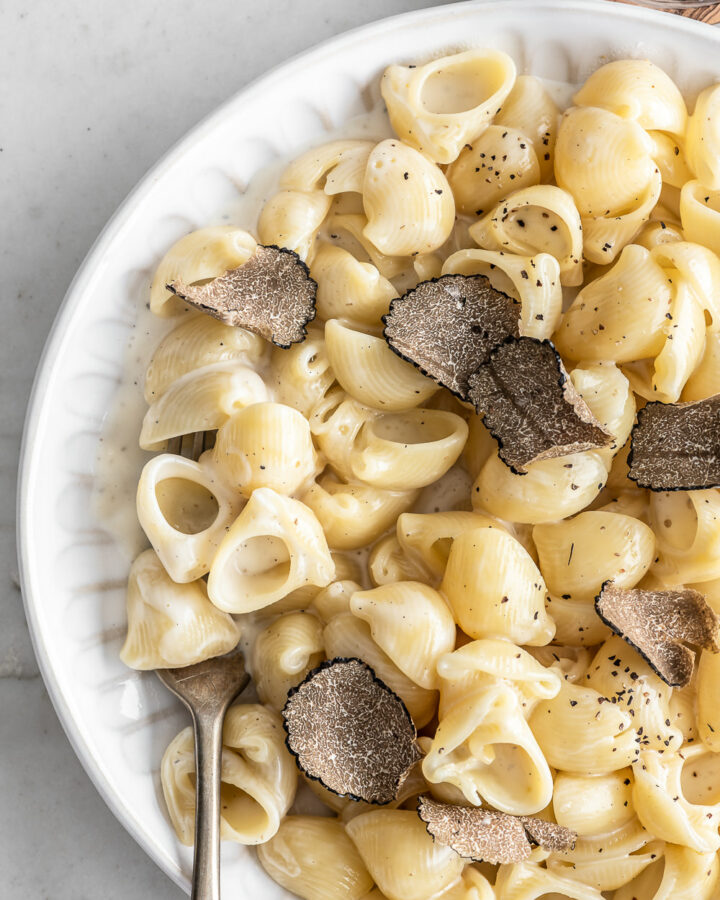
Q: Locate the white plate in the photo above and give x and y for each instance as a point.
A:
(72, 574)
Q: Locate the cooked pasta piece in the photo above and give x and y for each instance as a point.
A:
(348, 288)
(197, 342)
(283, 654)
(258, 777)
(185, 509)
(201, 400)
(349, 229)
(312, 170)
(448, 102)
(169, 624)
(687, 530)
(531, 109)
(301, 376)
(526, 881)
(202, 254)
(667, 153)
(402, 858)
(275, 546)
(354, 515)
(700, 214)
(411, 623)
(333, 600)
(495, 589)
(368, 370)
(593, 804)
(538, 219)
(702, 138)
(388, 563)
(266, 445)
(533, 280)
(407, 199)
(708, 700)
(314, 858)
(346, 635)
(680, 872)
(292, 219)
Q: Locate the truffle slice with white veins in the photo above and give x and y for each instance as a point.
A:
(272, 294)
(658, 624)
(350, 732)
(486, 835)
(676, 446)
(530, 406)
(447, 326)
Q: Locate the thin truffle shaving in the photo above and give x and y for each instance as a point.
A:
(350, 732)
(676, 446)
(658, 624)
(447, 327)
(272, 295)
(486, 835)
(530, 405)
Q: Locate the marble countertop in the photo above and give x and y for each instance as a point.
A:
(93, 93)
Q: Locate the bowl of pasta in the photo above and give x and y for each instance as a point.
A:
(442, 296)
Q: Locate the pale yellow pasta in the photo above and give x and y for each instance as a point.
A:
(608, 860)
(687, 529)
(607, 392)
(275, 546)
(531, 109)
(705, 380)
(346, 635)
(602, 160)
(402, 858)
(185, 509)
(426, 539)
(620, 316)
(639, 691)
(662, 807)
(368, 370)
(333, 600)
(301, 376)
(480, 664)
(292, 219)
(576, 622)
(670, 159)
(533, 280)
(353, 515)
(169, 624)
(258, 777)
(348, 288)
(197, 342)
(525, 881)
(636, 89)
(472, 885)
(700, 269)
(202, 254)
(411, 623)
(315, 859)
(495, 589)
(700, 214)
(593, 804)
(480, 445)
(336, 422)
(266, 445)
(608, 739)
(552, 488)
(484, 747)
(680, 873)
(283, 654)
(539, 219)
(201, 400)
(448, 102)
(569, 662)
(404, 451)
(311, 170)
(702, 138)
(478, 178)
(388, 562)
(349, 229)
(407, 199)
(578, 555)
(708, 700)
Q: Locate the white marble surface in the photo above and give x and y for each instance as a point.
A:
(93, 93)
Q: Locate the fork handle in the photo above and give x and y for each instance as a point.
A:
(208, 763)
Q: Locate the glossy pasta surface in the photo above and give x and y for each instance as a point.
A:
(349, 506)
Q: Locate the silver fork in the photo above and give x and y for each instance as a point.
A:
(207, 689)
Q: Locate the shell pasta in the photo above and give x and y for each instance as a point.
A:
(427, 378)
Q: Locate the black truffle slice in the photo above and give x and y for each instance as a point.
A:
(446, 327)
(272, 294)
(485, 835)
(676, 446)
(656, 623)
(530, 405)
(350, 732)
